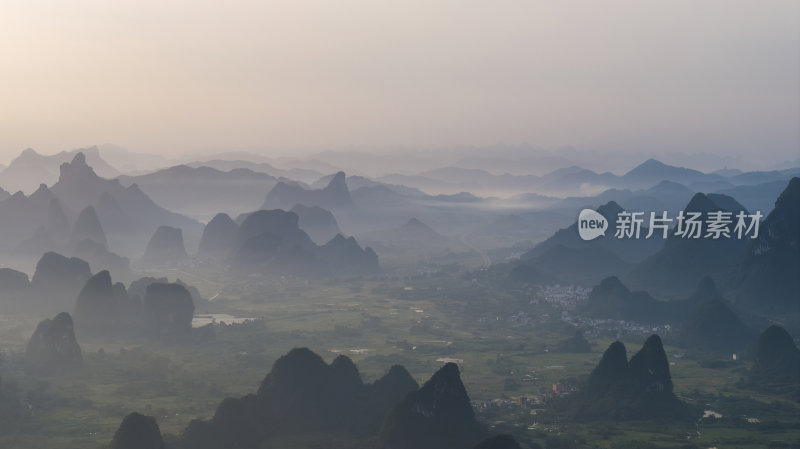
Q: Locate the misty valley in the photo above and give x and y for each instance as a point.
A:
(243, 304)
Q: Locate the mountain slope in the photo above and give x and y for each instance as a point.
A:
(128, 216)
(683, 262)
(767, 277)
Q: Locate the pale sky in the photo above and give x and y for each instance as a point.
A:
(179, 76)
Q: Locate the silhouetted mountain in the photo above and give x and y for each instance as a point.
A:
(345, 257)
(683, 262)
(272, 241)
(777, 359)
(160, 311)
(168, 308)
(97, 309)
(437, 415)
(53, 345)
(138, 432)
(577, 343)
(318, 223)
(334, 196)
(311, 395)
(302, 395)
(612, 299)
(236, 423)
(621, 390)
(128, 216)
(712, 324)
(767, 277)
(58, 279)
(139, 287)
(219, 236)
(200, 191)
(87, 227)
(279, 223)
(384, 394)
(165, 247)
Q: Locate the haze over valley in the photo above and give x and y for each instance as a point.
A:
(399, 225)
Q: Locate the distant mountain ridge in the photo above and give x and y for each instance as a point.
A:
(573, 179)
(30, 168)
(196, 190)
(334, 196)
(271, 241)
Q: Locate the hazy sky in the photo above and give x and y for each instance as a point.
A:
(176, 76)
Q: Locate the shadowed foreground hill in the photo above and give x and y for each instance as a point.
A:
(437, 415)
(612, 299)
(618, 389)
(575, 344)
(712, 324)
(302, 395)
(777, 359)
(314, 404)
(138, 432)
(152, 307)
